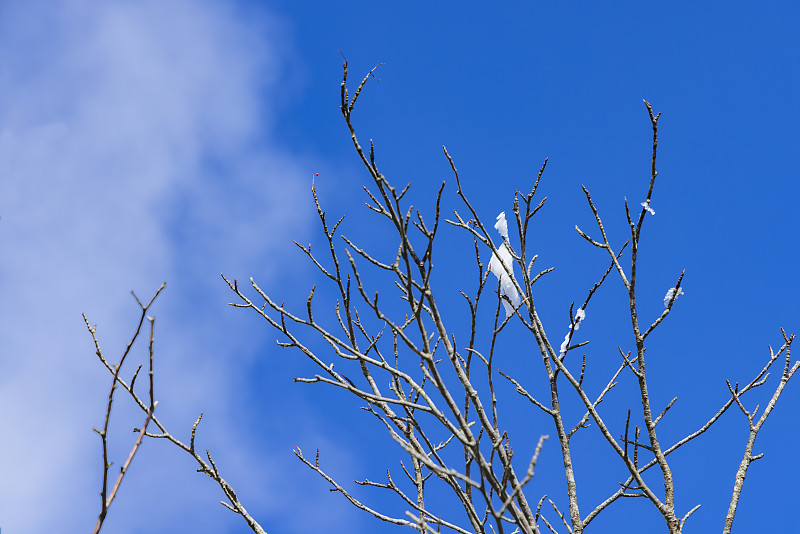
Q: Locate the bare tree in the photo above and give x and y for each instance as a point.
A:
(433, 386)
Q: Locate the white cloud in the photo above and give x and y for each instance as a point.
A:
(134, 147)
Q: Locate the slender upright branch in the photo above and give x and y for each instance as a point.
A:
(755, 425)
(106, 497)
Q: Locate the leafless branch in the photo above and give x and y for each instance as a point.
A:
(207, 467)
(106, 497)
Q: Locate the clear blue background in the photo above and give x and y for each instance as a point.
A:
(142, 142)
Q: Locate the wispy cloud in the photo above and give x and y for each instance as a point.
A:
(135, 147)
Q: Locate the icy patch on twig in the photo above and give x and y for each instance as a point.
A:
(576, 324)
(501, 225)
(670, 293)
(507, 287)
(496, 267)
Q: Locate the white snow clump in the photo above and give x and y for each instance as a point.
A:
(669, 294)
(579, 316)
(500, 259)
(501, 225)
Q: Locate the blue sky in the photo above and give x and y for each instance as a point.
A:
(143, 142)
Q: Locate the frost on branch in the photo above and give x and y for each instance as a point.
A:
(501, 225)
(646, 205)
(507, 288)
(579, 316)
(670, 293)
